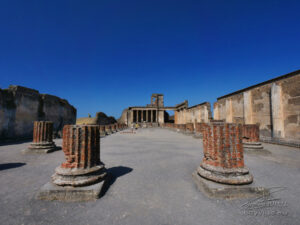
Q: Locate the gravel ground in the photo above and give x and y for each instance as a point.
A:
(152, 186)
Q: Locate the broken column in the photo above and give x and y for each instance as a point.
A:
(102, 131)
(82, 175)
(189, 129)
(223, 160)
(251, 137)
(42, 138)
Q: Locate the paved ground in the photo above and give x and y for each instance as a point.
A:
(153, 185)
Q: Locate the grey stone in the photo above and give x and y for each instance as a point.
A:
(224, 191)
(51, 192)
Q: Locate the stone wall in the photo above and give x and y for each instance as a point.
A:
(21, 106)
(100, 119)
(195, 114)
(274, 105)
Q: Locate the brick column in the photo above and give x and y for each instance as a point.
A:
(42, 138)
(251, 137)
(223, 159)
(81, 146)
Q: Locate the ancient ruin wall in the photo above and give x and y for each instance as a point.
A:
(274, 105)
(194, 114)
(21, 106)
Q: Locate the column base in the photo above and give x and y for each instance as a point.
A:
(51, 192)
(46, 147)
(252, 145)
(225, 191)
(225, 176)
(78, 177)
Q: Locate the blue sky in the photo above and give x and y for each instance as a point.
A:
(106, 55)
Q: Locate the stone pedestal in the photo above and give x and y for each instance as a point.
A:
(42, 138)
(189, 129)
(223, 160)
(102, 131)
(108, 129)
(82, 175)
(251, 137)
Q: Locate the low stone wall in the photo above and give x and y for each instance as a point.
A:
(21, 106)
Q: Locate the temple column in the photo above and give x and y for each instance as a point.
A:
(137, 116)
(147, 116)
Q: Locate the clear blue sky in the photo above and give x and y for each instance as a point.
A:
(106, 55)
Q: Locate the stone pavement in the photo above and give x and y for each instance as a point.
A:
(152, 185)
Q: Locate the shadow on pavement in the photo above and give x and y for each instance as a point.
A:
(7, 166)
(112, 175)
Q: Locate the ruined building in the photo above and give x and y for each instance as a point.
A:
(21, 106)
(274, 105)
(156, 112)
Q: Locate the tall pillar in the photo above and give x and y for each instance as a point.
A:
(277, 115)
(147, 116)
(131, 115)
(248, 115)
(223, 160)
(42, 138)
(229, 111)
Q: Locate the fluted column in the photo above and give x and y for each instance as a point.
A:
(81, 146)
(251, 137)
(42, 138)
(223, 159)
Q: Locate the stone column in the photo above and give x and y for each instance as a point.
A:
(132, 119)
(137, 116)
(147, 116)
(223, 160)
(251, 137)
(42, 138)
(277, 111)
